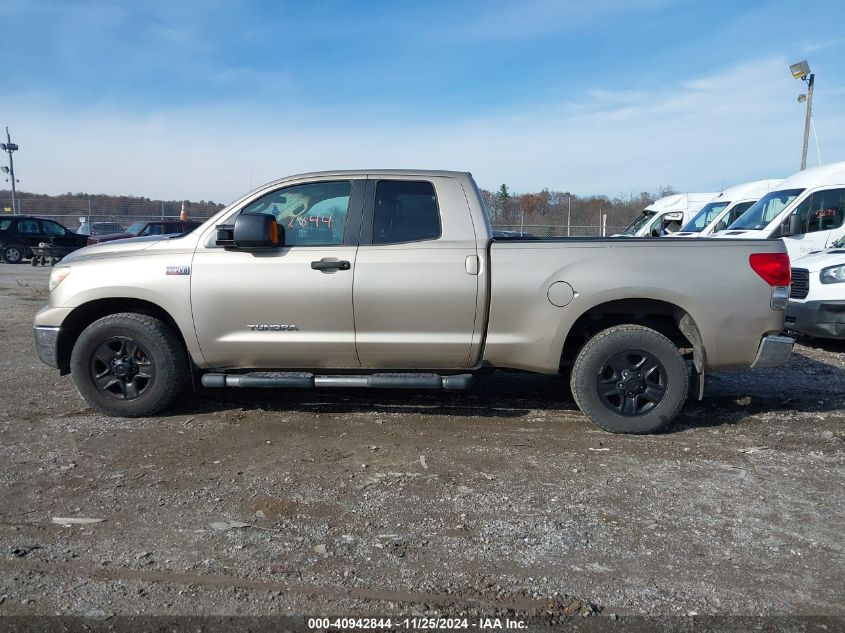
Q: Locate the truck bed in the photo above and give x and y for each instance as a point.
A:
(711, 280)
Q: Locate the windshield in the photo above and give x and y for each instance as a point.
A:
(136, 228)
(708, 213)
(766, 209)
(639, 223)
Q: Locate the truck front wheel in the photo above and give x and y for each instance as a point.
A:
(630, 379)
(128, 365)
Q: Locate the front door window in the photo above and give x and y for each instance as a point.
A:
(312, 214)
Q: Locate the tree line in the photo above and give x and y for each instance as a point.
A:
(545, 207)
(548, 207)
(81, 204)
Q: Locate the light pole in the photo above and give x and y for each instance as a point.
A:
(10, 147)
(568, 212)
(801, 71)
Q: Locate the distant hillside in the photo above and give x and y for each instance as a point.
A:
(101, 205)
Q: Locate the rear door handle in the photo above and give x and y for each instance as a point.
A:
(331, 264)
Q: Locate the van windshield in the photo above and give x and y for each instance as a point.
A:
(704, 217)
(766, 209)
(639, 223)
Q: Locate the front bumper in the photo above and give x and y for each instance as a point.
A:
(824, 319)
(46, 343)
(774, 351)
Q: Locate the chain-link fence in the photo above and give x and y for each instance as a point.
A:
(556, 230)
(72, 212)
(73, 215)
(108, 223)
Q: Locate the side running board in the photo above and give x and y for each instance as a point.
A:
(300, 380)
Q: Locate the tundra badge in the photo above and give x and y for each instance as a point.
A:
(178, 270)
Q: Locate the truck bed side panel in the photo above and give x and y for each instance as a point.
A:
(710, 279)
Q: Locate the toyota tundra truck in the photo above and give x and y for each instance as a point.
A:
(393, 279)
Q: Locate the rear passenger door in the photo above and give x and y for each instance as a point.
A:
(416, 277)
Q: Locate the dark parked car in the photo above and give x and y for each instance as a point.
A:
(142, 228)
(20, 233)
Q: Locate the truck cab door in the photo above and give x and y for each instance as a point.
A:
(289, 307)
(822, 216)
(416, 276)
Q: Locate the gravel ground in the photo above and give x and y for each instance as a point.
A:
(505, 499)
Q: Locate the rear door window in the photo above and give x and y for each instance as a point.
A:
(405, 211)
(29, 227)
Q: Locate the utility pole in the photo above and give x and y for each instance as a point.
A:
(811, 79)
(11, 147)
(801, 71)
(568, 212)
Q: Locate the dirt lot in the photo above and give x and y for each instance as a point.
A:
(370, 501)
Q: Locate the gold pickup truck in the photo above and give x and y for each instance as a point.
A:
(393, 279)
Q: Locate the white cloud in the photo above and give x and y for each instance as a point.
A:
(737, 124)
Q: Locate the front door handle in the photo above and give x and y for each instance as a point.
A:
(327, 264)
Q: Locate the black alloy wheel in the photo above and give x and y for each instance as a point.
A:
(121, 369)
(630, 378)
(631, 383)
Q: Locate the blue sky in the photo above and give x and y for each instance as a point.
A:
(196, 99)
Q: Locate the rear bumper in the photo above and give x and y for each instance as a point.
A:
(824, 319)
(774, 351)
(46, 342)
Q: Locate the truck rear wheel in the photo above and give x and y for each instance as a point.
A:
(630, 379)
(128, 365)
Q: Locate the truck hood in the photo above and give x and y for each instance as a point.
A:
(816, 261)
(114, 248)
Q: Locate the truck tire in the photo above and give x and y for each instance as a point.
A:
(630, 379)
(13, 253)
(128, 365)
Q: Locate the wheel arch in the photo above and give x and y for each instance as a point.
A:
(84, 315)
(668, 318)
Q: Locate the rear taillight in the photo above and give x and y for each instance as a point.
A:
(772, 267)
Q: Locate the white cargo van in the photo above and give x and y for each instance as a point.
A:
(666, 215)
(726, 207)
(807, 210)
(817, 296)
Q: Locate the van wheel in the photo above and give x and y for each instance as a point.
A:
(630, 379)
(128, 365)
